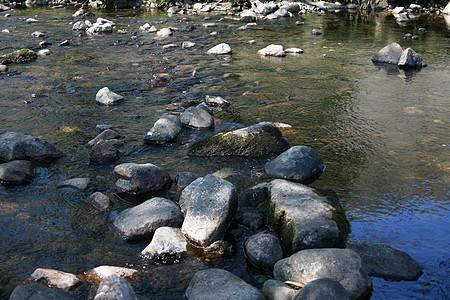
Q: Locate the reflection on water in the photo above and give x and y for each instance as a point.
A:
(381, 131)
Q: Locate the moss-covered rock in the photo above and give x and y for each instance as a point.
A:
(19, 56)
(259, 140)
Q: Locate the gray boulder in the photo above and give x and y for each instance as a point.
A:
(342, 265)
(200, 116)
(138, 179)
(282, 12)
(410, 59)
(259, 140)
(166, 241)
(105, 135)
(78, 184)
(183, 179)
(37, 291)
(17, 146)
(165, 130)
(209, 203)
(164, 32)
(79, 26)
(323, 289)
(55, 279)
(105, 151)
(387, 262)
(263, 250)
(16, 172)
(298, 163)
(277, 290)
(220, 284)
(267, 8)
(390, 54)
(272, 50)
(142, 220)
(99, 201)
(303, 219)
(107, 97)
(114, 287)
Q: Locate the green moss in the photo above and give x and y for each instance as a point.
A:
(19, 56)
(282, 226)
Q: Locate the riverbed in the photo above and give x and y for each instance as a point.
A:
(381, 131)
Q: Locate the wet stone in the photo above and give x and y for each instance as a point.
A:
(114, 287)
(98, 274)
(167, 241)
(99, 201)
(183, 179)
(16, 172)
(17, 146)
(107, 97)
(220, 49)
(79, 184)
(55, 279)
(263, 250)
(322, 288)
(37, 291)
(272, 50)
(277, 290)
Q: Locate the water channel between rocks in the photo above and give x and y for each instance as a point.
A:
(382, 133)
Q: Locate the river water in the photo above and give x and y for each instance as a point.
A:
(382, 133)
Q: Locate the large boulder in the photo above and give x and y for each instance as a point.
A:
(259, 140)
(394, 54)
(209, 203)
(114, 287)
(138, 179)
(16, 172)
(303, 219)
(15, 146)
(165, 130)
(167, 241)
(323, 288)
(343, 265)
(298, 163)
(55, 279)
(37, 291)
(19, 56)
(387, 262)
(200, 116)
(220, 284)
(263, 250)
(105, 151)
(142, 220)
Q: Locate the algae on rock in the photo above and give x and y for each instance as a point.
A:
(19, 56)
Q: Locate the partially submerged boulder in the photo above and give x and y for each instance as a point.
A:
(78, 184)
(17, 146)
(209, 203)
(323, 288)
(263, 250)
(165, 130)
(99, 201)
(138, 179)
(343, 265)
(395, 54)
(272, 50)
(259, 140)
(142, 220)
(19, 56)
(200, 116)
(16, 172)
(220, 284)
(107, 97)
(167, 241)
(37, 291)
(303, 219)
(115, 287)
(220, 49)
(55, 279)
(387, 262)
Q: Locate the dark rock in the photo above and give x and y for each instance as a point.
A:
(99, 200)
(55, 279)
(114, 287)
(252, 220)
(137, 179)
(259, 140)
(263, 250)
(142, 220)
(16, 172)
(390, 54)
(19, 56)
(37, 291)
(302, 219)
(217, 249)
(104, 151)
(17, 146)
(165, 130)
(209, 203)
(277, 290)
(298, 163)
(102, 127)
(200, 116)
(410, 59)
(79, 184)
(323, 288)
(220, 284)
(387, 262)
(167, 241)
(107, 134)
(342, 265)
(183, 179)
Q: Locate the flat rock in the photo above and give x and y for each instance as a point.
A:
(79, 184)
(298, 163)
(342, 265)
(19, 56)
(165, 130)
(98, 274)
(387, 262)
(99, 201)
(323, 288)
(209, 203)
(220, 284)
(17, 146)
(259, 140)
(302, 219)
(55, 279)
(167, 241)
(142, 220)
(107, 97)
(263, 250)
(37, 291)
(220, 49)
(114, 287)
(200, 116)
(277, 290)
(138, 179)
(16, 172)
(293, 50)
(272, 50)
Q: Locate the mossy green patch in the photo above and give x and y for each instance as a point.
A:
(19, 56)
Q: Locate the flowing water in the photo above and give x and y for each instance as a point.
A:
(382, 133)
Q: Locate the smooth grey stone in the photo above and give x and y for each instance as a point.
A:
(107, 97)
(167, 241)
(323, 289)
(3, 68)
(107, 134)
(79, 184)
(183, 179)
(80, 25)
(114, 287)
(387, 262)
(410, 59)
(277, 290)
(282, 12)
(342, 265)
(16, 172)
(99, 200)
(56, 279)
(263, 250)
(216, 102)
(104, 151)
(272, 50)
(220, 284)
(389, 54)
(142, 220)
(316, 32)
(200, 116)
(37, 291)
(220, 49)
(164, 32)
(165, 130)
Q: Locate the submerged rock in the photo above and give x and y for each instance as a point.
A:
(165, 130)
(16, 172)
(167, 241)
(200, 116)
(216, 102)
(37, 291)
(220, 284)
(99, 200)
(342, 265)
(387, 262)
(19, 56)
(18, 146)
(79, 184)
(107, 97)
(55, 279)
(259, 140)
(323, 288)
(142, 220)
(114, 287)
(263, 250)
